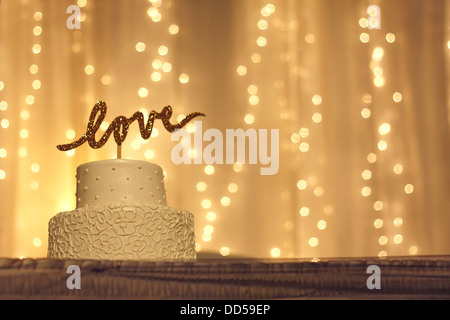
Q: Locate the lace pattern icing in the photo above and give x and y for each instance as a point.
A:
(123, 232)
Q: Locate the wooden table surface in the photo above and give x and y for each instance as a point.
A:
(425, 277)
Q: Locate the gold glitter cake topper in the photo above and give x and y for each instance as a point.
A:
(120, 126)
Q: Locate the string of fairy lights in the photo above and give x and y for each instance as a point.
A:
(384, 129)
(387, 224)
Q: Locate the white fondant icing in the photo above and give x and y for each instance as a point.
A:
(122, 232)
(124, 180)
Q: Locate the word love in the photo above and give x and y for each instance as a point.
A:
(121, 124)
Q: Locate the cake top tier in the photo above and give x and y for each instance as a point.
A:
(120, 180)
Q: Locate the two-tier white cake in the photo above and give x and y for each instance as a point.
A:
(122, 214)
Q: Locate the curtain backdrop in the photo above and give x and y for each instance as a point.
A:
(362, 114)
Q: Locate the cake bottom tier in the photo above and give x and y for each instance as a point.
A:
(123, 232)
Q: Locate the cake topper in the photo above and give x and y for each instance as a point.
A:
(120, 126)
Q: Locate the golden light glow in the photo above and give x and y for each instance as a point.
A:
(140, 47)
(233, 187)
(224, 251)
(70, 153)
(34, 185)
(237, 167)
(3, 105)
(225, 201)
(184, 78)
(241, 70)
(378, 223)
(256, 58)
(318, 191)
(37, 242)
(317, 117)
(37, 30)
(398, 238)
(413, 250)
(35, 167)
(201, 186)
(409, 188)
(313, 242)
(378, 82)
(36, 84)
(156, 76)
(34, 69)
(36, 48)
(23, 133)
(106, 79)
(37, 16)
(174, 29)
(166, 67)
(366, 174)
(206, 203)
(398, 168)
(143, 92)
(303, 147)
(390, 37)
(378, 54)
(70, 134)
(163, 50)
(206, 237)
(2, 85)
(366, 191)
(253, 100)
(382, 254)
(249, 118)
(304, 211)
(157, 64)
(372, 157)
(252, 89)
(198, 247)
(382, 145)
(365, 113)
(384, 129)
(304, 132)
(81, 3)
(3, 153)
(397, 97)
(89, 69)
(316, 99)
(211, 216)
(295, 138)
(2, 174)
(364, 37)
(363, 23)
(275, 252)
(4, 123)
(149, 154)
(383, 240)
(261, 41)
(29, 99)
(262, 24)
(23, 152)
(209, 170)
(398, 222)
(310, 38)
(321, 225)
(302, 184)
(378, 205)
(208, 229)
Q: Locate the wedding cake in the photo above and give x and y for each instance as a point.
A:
(122, 214)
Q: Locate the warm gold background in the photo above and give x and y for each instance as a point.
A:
(318, 67)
